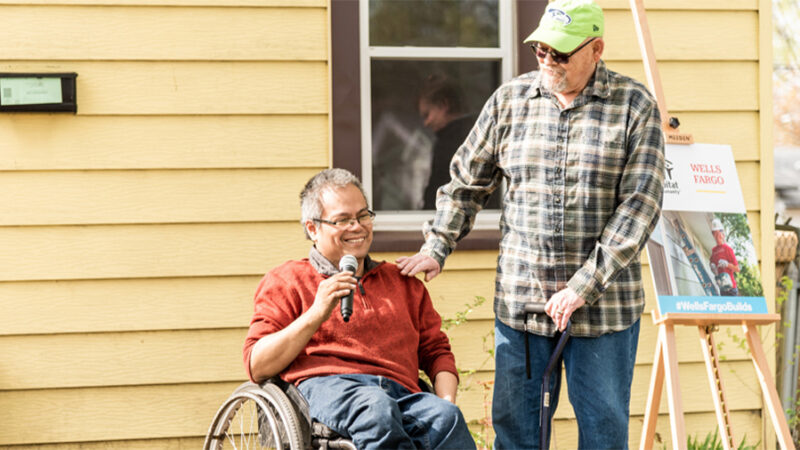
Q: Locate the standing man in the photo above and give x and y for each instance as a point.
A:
(582, 151)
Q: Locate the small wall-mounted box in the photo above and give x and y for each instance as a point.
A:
(38, 92)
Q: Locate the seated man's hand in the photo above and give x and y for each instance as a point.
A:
(412, 265)
(445, 385)
(329, 291)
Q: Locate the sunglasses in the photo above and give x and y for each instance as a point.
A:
(558, 57)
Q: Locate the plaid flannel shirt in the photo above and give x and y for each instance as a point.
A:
(584, 191)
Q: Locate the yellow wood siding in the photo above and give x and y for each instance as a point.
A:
(767, 193)
(111, 413)
(82, 197)
(146, 251)
(684, 35)
(181, 87)
(226, 3)
(162, 142)
(157, 33)
(135, 304)
(160, 444)
(119, 196)
(134, 233)
(702, 85)
(684, 5)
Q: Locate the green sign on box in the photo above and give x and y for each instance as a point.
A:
(30, 91)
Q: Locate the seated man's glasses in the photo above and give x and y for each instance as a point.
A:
(558, 57)
(363, 219)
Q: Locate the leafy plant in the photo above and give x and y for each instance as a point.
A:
(712, 441)
(461, 316)
(739, 237)
(482, 435)
(482, 438)
(748, 280)
(793, 410)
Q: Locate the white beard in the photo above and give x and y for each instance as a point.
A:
(557, 82)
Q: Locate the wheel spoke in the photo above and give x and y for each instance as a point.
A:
(250, 429)
(241, 427)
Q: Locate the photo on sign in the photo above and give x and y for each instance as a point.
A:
(697, 254)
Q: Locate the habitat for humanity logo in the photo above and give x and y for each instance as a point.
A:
(670, 185)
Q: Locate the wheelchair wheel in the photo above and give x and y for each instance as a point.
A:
(255, 417)
(290, 429)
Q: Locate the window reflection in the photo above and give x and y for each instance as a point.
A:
(433, 23)
(421, 113)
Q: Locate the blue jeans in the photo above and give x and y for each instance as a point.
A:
(376, 412)
(599, 373)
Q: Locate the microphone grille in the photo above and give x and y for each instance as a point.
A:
(348, 263)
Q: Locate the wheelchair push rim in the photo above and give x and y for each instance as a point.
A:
(253, 418)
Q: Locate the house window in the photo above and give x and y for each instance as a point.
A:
(409, 78)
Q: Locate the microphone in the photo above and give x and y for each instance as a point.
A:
(348, 263)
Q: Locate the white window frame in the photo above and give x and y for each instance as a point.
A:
(505, 53)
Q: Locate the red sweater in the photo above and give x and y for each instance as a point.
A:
(394, 330)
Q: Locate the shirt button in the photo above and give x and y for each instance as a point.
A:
(558, 229)
(558, 200)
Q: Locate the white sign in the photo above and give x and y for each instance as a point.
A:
(701, 253)
(701, 177)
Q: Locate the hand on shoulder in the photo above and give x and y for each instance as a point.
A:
(412, 265)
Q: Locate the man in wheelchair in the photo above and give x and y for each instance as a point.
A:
(359, 376)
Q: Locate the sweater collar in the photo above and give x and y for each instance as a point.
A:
(327, 268)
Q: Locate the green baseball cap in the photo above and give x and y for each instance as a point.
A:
(567, 23)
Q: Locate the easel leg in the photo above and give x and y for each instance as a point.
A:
(717, 390)
(768, 386)
(666, 335)
(653, 400)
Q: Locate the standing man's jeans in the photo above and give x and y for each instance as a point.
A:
(376, 412)
(599, 374)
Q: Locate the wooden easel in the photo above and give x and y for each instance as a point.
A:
(665, 363)
(670, 124)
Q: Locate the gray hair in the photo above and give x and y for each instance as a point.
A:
(310, 196)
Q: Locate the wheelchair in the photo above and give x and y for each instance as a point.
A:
(272, 415)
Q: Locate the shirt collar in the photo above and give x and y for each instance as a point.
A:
(599, 83)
